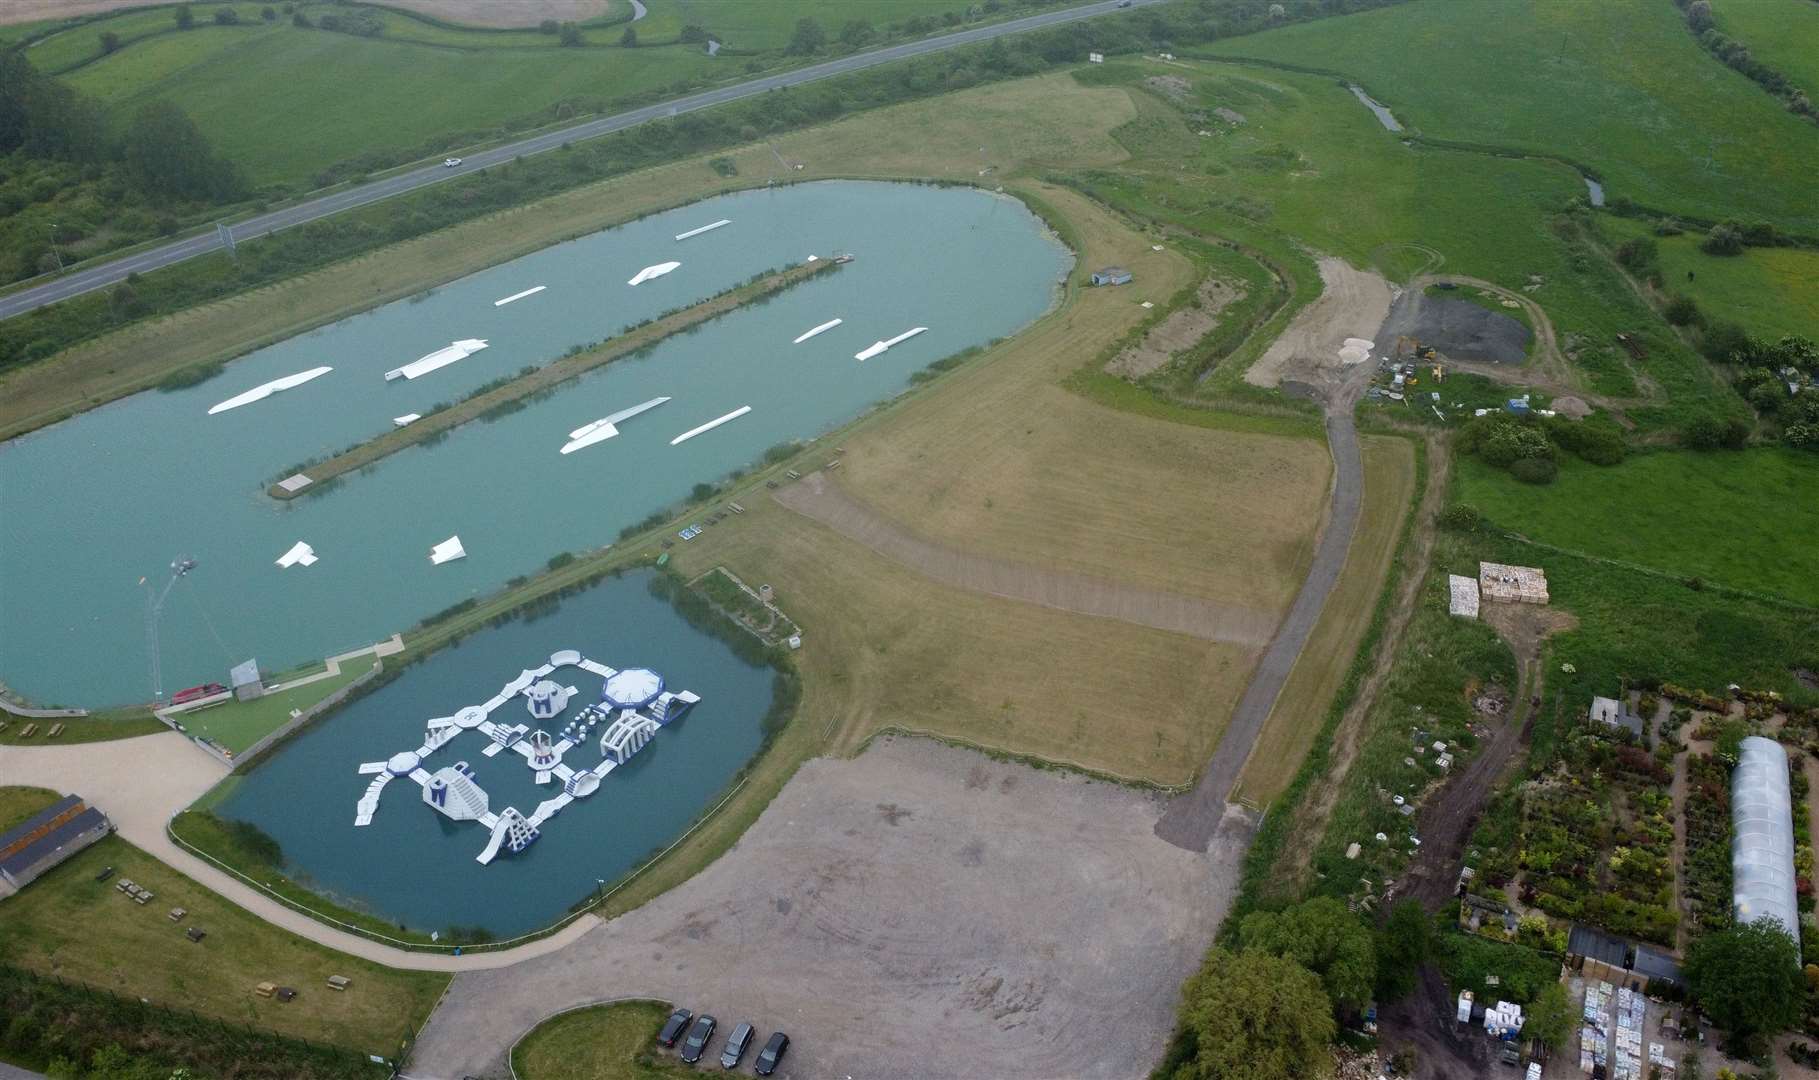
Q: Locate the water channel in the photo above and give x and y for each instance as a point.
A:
(413, 866)
(97, 502)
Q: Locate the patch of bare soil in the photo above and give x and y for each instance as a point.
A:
(1179, 331)
(1173, 87)
(470, 12)
(1352, 303)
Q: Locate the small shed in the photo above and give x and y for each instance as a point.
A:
(245, 679)
(1613, 713)
(1112, 275)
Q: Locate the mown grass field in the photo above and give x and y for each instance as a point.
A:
(1310, 162)
(78, 729)
(1784, 34)
(239, 724)
(69, 925)
(1619, 85)
(1028, 124)
(1389, 484)
(19, 803)
(1745, 519)
(620, 1039)
(1770, 292)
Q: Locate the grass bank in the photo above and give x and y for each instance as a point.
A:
(496, 400)
(620, 1039)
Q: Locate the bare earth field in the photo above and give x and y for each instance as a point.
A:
(1181, 329)
(1352, 303)
(471, 12)
(1012, 962)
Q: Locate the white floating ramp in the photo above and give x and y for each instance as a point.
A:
(710, 425)
(300, 554)
(447, 551)
(407, 418)
(704, 228)
(265, 390)
(878, 347)
(605, 428)
(822, 329)
(650, 272)
(519, 295)
(441, 358)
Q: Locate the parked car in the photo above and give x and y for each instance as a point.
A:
(672, 1028)
(696, 1043)
(736, 1045)
(449, 163)
(771, 1054)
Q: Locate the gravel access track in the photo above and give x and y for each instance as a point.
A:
(920, 910)
(1352, 303)
(819, 498)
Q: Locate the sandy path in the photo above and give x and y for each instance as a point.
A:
(142, 783)
(1352, 303)
(919, 910)
(471, 12)
(817, 497)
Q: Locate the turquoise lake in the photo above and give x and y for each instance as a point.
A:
(415, 867)
(95, 503)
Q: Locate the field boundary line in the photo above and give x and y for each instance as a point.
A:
(1034, 761)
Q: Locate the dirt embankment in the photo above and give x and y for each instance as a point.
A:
(1179, 331)
(1352, 303)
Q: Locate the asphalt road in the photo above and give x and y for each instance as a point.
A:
(104, 274)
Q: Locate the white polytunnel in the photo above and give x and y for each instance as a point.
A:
(1762, 836)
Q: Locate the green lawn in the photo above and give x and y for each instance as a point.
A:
(121, 724)
(1770, 292)
(1784, 34)
(239, 724)
(1309, 162)
(1744, 519)
(67, 924)
(605, 1042)
(19, 803)
(1619, 85)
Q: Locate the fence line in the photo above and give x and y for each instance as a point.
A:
(434, 947)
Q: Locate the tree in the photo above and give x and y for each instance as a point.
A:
(186, 17)
(300, 20)
(1699, 15)
(268, 13)
(693, 34)
(168, 155)
(550, 27)
(1459, 517)
(1255, 1016)
(569, 34)
(808, 39)
(1725, 238)
(856, 33)
(629, 39)
(1550, 1017)
(1747, 978)
(110, 42)
(1681, 311)
(1324, 937)
(226, 17)
(1404, 943)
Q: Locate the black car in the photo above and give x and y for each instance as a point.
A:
(696, 1043)
(736, 1045)
(771, 1054)
(672, 1028)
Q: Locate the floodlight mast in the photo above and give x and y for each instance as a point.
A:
(154, 606)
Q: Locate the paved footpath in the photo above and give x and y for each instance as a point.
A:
(142, 783)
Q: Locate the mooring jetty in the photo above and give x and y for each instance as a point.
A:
(551, 374)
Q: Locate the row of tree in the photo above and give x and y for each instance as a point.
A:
(161, 150)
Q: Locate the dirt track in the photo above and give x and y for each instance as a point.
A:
(1352, 303)
(1048, 935)
(817, 497)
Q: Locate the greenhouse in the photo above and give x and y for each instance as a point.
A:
(1762, 836)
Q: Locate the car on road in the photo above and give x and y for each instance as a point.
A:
(771, 1054)
(736, 1045)
(672, 1028)
(696, 1043)
(449, 163)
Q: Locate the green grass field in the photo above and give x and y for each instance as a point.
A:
(1309, 162)
(1743, 519)
(621, 1042)
(1784, 34)
(1770, 292)
(70, 925)
(1619, 85)
(19, 803)
(239, 724)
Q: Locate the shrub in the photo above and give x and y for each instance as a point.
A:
(1535, 470)
(560, 560)
(1638, 253)
(1725, 342)
(1681, 311)
(1725, 238)
(1461, 517)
